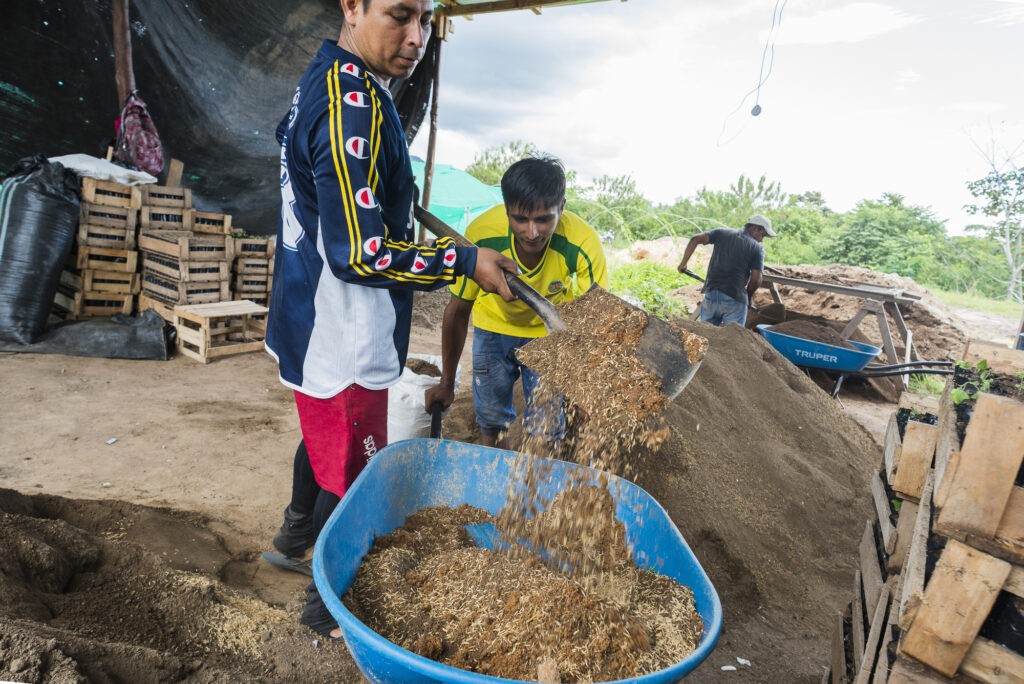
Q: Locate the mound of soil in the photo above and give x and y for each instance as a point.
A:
(111, 592)
(767, 478)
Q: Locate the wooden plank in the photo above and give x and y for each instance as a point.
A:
(857, 621)
(77, 305)
(254, 265)
(947, 449)
(1010, 531)
(177, 292)
(917, 555)
(988, 464)
(919, 402)
(101, 281)
(255, 247)
(893, 444)
(870, 568)
(907, 671)
(839, 649)
(878, 620)
(882, 511)
(881, 674)
(112, 194)
(174, 171)
(248, 282)
(958, 598)
(201, 312)
(915, 459)
(904, 534)
(1000, 358)
(989, 662)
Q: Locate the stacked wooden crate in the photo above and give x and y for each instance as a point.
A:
(100, 277)
(253, 269)
(939, 593)
(183, 261)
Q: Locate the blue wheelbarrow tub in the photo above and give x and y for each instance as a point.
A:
(420, 473)
(803, 352)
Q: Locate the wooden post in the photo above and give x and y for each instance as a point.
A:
(428, 167)
(123, 71)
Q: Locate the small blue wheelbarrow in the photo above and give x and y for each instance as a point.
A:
(845, 362)
(421, 473)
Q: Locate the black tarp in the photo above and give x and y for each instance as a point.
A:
(217, 76)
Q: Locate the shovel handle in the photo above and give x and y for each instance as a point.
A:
(520, 289)
(436, 411)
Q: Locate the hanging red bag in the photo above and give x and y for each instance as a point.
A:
(138, 143)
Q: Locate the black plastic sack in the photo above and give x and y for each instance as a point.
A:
(38, 219)
(117, 337)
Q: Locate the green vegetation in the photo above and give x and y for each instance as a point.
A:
(971, 300)
(649, 283)
(927, 385)
(884, 234)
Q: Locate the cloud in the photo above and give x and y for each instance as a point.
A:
(1011, 14)
(980, 107)
(852, 23)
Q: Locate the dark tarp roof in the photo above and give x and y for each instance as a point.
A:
(217, 77)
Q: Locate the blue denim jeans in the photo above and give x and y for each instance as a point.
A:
(495, 371)
(720, 309)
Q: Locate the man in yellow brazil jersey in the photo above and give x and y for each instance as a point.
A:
(560, 256)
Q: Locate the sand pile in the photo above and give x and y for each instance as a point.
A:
(767, 478)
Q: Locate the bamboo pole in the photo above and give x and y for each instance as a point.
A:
(123, 71)
(428, 166)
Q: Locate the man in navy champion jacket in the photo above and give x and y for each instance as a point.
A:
(345, 266)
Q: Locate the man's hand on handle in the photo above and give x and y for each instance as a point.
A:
(491, 267)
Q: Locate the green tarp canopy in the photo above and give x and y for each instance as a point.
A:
(455, 196)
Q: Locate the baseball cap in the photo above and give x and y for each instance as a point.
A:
(763, 222)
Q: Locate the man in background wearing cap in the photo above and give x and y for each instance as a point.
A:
(734, 272)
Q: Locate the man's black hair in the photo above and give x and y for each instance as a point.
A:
(533, 183)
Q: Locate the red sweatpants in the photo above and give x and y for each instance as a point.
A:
(342, 433)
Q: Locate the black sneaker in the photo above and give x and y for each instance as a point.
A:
(296, 534)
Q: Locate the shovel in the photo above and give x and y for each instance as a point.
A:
(662, 347)
(773, 313)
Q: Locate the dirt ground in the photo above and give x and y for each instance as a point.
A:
(137, 496)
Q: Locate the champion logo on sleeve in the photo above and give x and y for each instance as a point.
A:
(357, 99)
(372, 246)
(358, 147)
(383, 262)
(419, 264)
(350, 68)
(449, 257)
(365, 198)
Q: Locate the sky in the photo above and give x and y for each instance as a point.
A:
(857, 99)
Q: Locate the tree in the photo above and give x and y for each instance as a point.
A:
(1001, 195)
(490, 165)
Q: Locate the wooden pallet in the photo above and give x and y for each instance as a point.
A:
(980, 504)
(108, 237)
(185, 271)
(79, 305)
(204, 330)
(102, 259)
(89, 280)
(187, 246)
(111, 194)
(166, 196)
(163, 309)
(105, 215)
(943, 630)
(165, 218)
(178, 292)
(254, 265)
(207, 222)
(255, 247)
(247, 283)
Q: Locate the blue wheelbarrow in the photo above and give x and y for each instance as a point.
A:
(845, 362)
(420, 473)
